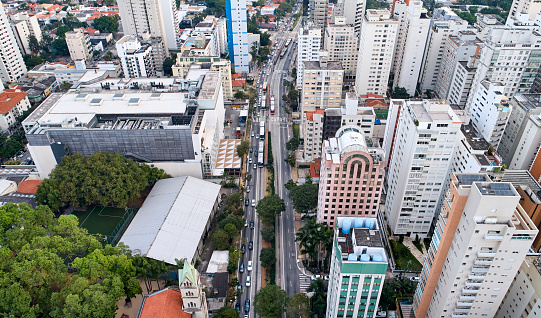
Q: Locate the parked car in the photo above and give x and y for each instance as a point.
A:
(315, 277)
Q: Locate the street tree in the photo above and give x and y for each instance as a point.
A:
(227, 312)
(103, 178)
(298, 306)
(293, 144)
(243, 148)
(270, 301)
(268, 233)
(270, 207)
(304, 197)
(267, 256)
(239, 95)
(319, 303)
(220, 240)
(36, 249)
(231, 230)
(291, 159)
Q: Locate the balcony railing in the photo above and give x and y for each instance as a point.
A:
(486, 254)
(479, 269)
(470, 290)
(467, 297)
(493, 237)
(464, 303)
(482, 262)
(461, 310)
(470, 283)
(476, 276)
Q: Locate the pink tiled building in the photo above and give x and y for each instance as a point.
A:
(351, 177)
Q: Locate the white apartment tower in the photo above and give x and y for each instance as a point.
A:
(308, 48)
(353, 11)
(78, 44)
(411, 47)
(457, 67)
(237, 35)
(341, 45)
(420, 140)
(318, 11)
(12, 65)
(157, 18)
(376, 43)
(510, 56)
(487, 247)
(443, 24)
(23, 27)
(136, 59)
(489, 111)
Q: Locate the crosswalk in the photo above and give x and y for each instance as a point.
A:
(304, 282)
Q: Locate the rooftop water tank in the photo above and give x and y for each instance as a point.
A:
(370, 223)
(377, 258)
(359, 222)
(365, 258)
(346, 226)
(352, 257)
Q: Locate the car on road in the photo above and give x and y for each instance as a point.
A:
(255, 166)
(256, 153)
(247, 189)
(237, 306)
(250, 247)
(253, 202)
(246, 202)
(250, 160)
(252, 224)
(249, 267)
(248, 281)
(253, 135)
(315, 277)
(252, 148)
(241, 268)
(247, 305)
(415, 278)
(246, 223)
(243, 248)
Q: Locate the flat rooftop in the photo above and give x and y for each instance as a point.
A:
(367, 237)
(470, 178)
(475, 140)
(333, 66)
(496, 189)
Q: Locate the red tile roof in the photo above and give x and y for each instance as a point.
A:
(375, 102)
(315, 168)
(236, 75)
(238, 83)
(29, 186)
(10, 99)
(372, 96)
(90, 30)
(164, 304)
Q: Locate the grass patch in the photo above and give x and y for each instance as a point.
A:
(296, 130)
(403, 257)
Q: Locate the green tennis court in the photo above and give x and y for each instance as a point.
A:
(100, 219)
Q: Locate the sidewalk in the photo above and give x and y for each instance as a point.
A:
(408, 242)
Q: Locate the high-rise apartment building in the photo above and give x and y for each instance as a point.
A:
(308, 47)
(523, 299)
(322, 89)
(485, 23)
(444, 23)
(237, 35)
(520, 138)
(480, 239)
(214, 30)
(509, 56)
(358, 267)
(318, 11)
(456, 70)
(531, 7)
(376, 43)
(12, 65)
(78, 44)
(489, 111)
(353, 11)
(353, 112)
(151, 18)
(351, 177)
(420, 140)
(341, 45)
(135, 58)
(411, 47)
(25, 26)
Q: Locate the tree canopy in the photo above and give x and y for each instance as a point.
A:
(270, 207)
(53, 268)
(243, 148)
(104, 178)
(267, 256)
(298, 306)
(106, 24)
(400, 93)
(227, 312)
(304, 196)
(270, 301)
(168, 66)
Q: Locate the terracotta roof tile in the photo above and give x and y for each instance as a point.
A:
(164, 304)
(238, 83)
(29, 186)
(10, 99)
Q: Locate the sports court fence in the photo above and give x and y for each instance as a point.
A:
(115, 235)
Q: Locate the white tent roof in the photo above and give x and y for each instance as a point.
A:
(172, 219)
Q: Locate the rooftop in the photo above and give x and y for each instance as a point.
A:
(163, 304)
(359, 239)
(496, 189)
(528, 101)
(8, 100)
(172, 220)
(475, 140)
(470, 178)
(332, 66)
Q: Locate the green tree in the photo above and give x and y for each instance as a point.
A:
(35, 254)
(220, 240)
(315, 240)
(168, 66)
(105, 24)
(304, 197)
(400, 93)
(231, 230)
(264, 39)
(294, 73)
(298, 306)
(268, 233)
(291, 159)
(62, 30)
(293, 144)
(60, 46)
(227, 312)
(243, 148)
(270, 207)
(103, 178)
(319, 303)
(33, 44)
(239, 95)
(270, 301)
(267, 256)
(32, 61)
(65, 86)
